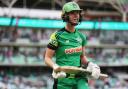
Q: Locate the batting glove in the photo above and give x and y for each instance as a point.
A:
(95, 69)
(58, 74)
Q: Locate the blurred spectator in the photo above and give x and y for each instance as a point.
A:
(8, 55)
(34, 35)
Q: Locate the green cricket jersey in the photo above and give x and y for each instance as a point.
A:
(67, 46)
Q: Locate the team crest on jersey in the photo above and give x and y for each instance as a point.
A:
(67, 41)
(73, 50)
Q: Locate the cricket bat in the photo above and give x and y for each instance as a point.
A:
(75, 70)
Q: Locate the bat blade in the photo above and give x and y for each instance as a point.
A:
(75, 70)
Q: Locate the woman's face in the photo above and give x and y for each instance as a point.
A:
(74, 17)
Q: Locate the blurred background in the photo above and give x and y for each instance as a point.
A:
(25, 28)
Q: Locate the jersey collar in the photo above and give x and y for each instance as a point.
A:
(69, 31)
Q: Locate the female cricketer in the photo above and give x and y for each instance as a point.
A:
(68, 46)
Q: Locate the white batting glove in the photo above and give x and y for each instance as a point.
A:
(58, 74)
(95, 69)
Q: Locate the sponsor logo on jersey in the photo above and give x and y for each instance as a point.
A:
(73, 50)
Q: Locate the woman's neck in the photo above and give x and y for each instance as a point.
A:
(70, 27)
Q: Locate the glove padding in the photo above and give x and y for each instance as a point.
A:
(95, 69)
(58, 74)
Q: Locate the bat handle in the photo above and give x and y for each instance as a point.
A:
(103, 76)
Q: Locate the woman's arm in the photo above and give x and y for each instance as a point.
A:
(48, 57)
(48, 60)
